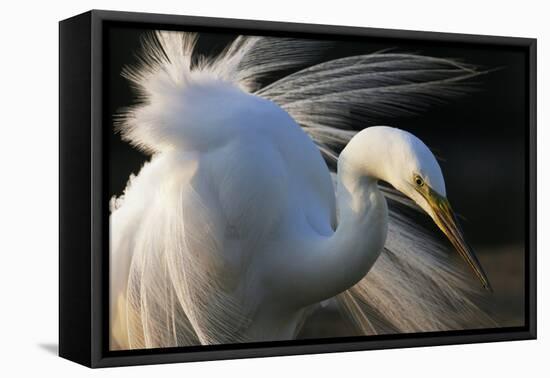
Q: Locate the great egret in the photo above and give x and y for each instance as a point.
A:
(234, 230)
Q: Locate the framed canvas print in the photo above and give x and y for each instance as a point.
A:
(234, 188)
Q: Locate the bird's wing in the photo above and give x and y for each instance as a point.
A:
(171, 285)
(414, 286)
(184, 232)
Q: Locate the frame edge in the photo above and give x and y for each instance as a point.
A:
(75, 335)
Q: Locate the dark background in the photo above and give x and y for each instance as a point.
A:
(480, 139)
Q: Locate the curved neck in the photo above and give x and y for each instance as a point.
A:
(332, 264)
(363, 221)
(335, 263)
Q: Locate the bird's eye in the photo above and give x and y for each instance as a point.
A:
(418, 181)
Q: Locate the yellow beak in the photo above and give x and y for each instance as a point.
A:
(444, 217)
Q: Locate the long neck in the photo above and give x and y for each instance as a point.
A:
(363, 219)
(339, 261)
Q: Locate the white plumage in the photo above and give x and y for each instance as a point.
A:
(234, 231)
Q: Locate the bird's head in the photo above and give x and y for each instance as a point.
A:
(406, 163)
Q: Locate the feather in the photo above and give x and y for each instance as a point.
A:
(331, 99)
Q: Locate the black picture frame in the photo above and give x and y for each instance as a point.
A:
(83, 228)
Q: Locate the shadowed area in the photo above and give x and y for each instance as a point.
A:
(52, 348)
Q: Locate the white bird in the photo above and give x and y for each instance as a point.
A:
(234, 230)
